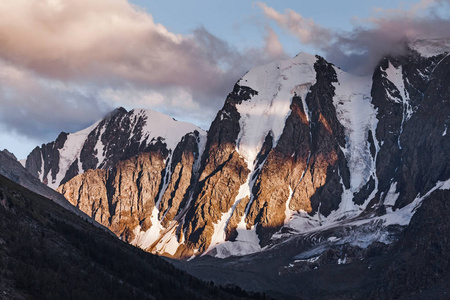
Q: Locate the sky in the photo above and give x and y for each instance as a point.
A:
(66, 64)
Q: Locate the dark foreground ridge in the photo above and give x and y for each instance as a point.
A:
(47, 252)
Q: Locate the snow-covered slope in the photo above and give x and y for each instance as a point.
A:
(267, 111)
(120, 135)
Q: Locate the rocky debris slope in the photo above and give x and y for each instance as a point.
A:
(299, 147)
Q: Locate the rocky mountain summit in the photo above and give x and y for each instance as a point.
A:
(299, 149)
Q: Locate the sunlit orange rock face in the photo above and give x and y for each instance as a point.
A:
(299, 173)
(303, 167)
(189, 190)
(121, 198)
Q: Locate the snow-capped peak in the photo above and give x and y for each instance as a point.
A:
(161, 125)
(149, 125)
(267, 111)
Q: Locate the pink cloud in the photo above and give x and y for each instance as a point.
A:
(69, 53)
(306, 30)
(273, 46)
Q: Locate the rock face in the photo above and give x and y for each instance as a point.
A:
(124, 197)
(119, 136)
(302, 171)
(418, 261)
(297, 145)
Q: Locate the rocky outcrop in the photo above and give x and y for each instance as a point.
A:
(418, 263)
(88, 193)
(124, 197)
(182, 175)
(44, 160)
(223, 171)
(408, 93)
(305, 166)
(119, 136)
(425, 141)
(134, 186)
(13, 170)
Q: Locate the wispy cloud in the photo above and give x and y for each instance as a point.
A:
(306, 30)
(273, 45)
(385, 32)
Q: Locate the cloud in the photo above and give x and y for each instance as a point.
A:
(273, 46)
(33, 107)
(360, 49)
(306, 30)
(65, 57)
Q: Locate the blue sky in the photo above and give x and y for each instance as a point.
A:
(241, 23)
(68, 63)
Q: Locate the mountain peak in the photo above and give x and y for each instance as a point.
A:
(11, 155)
(120, 135)
(117, 111)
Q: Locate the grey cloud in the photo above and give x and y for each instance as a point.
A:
(360, 50)
(36, 109)
(386, 33)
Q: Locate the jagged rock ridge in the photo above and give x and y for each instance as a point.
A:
(119, 136)
(298, 145)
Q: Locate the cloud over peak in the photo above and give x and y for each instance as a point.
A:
(384, 33)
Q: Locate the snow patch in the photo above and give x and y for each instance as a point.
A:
(288, 213)
(70, 152)
(445, 185)
(149, 237)
(311, 260)
(99, 147)
(247, 242)
(403, 215)
(23, 162)
(342, 261)
(395, 75)
(333, 239)
(276, 84)
(391, 197)
(168, 242)
(161, 125)
(356, 113)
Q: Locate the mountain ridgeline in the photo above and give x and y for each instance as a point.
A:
(298, 145)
